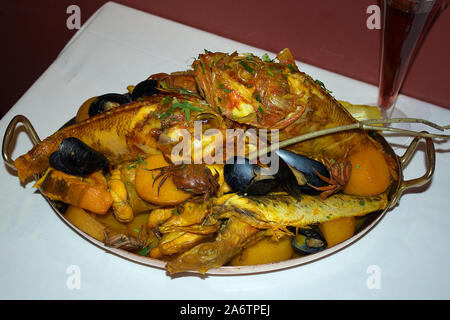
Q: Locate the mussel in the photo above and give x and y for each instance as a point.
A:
(308, 240)
(295, 175)
(145, 88)
(305, 171)
(108, 101)
(248, 178)
(76, 158)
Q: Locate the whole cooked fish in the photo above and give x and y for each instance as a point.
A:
(276, 95)
(247, 216)
(123, 133)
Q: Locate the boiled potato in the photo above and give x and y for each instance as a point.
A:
(139, 222)
(110, 221)
(338, 230)
(83, 221)
(264, 251)
(148, 189)
(370, 174)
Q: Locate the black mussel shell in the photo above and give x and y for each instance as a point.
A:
(307, 168)
(145, 88)
(245, 177)
(308, 241)
(287, 179)
(107, 102)
(76, 158)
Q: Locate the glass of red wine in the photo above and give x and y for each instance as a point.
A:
(405, 24)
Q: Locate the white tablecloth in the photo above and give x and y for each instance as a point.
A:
(118, 46)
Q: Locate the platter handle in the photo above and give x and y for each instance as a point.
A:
(406, 158)
(9, 134)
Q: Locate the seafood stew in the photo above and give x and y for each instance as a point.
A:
(158, 172)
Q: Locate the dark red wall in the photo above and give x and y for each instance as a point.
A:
(328, 33)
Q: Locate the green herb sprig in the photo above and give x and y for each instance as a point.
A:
(320, 83)
(185, 107)
(265, 58)
(246, 66)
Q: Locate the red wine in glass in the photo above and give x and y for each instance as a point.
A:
(405, 24)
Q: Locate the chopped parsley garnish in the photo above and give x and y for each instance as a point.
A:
(166, 99)
(222, 86)
(164, 115)
(246, 66)
(269, 71)
(291, 67)
(257, 97)
(203, 67)
(265, 58)
(140, 160)
(185, 107)
(184, 91)
(320, 83)
(219, 109)
(175, 212)
(261, 110)
(161, 116)
(145, 251)
(207, 51)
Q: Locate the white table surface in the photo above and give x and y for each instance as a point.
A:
(119, 46)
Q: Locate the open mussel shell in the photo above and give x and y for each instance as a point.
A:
(248, 178)
(305, 170)
(145, 88)
(294, 175)
(307, 241)
(288, 180)
(76, 158)
(107, 102)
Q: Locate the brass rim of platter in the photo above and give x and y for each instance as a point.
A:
(397, 188)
